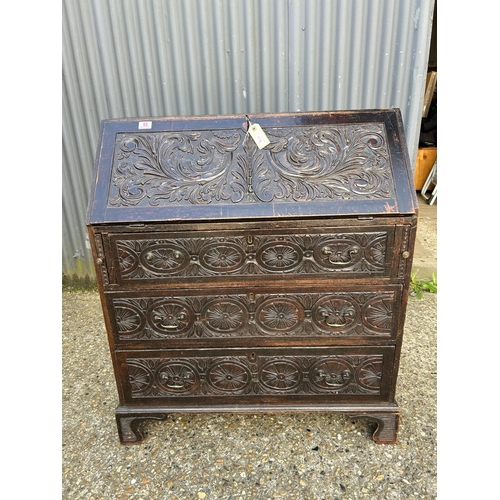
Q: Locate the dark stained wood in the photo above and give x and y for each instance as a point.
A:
(387, 428)
(129, 430)
(238, 279)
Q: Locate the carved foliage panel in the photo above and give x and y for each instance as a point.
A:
(255, 375)
(322, 162)
(342, 252)
(255, 315)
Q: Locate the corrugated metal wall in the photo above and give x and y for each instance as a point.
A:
(124, 58)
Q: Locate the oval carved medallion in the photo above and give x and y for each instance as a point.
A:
(279, 256)
(222, 257)
(229, 376)
(162, 258)
(224, 316)
(279, 315)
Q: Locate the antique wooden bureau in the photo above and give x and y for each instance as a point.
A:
(246, 269)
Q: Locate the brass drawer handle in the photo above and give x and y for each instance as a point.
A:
(333, 379)
(337, 319)
(177, 381)
(405, 255)
(150, 255)
(170, 322)
(340, 257)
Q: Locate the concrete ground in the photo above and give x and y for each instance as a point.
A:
(231, 457)
(425, 258)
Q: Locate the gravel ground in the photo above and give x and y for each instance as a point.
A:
(296, 456)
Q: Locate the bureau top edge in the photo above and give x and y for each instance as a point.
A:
(315, 164)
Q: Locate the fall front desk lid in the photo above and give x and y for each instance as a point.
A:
(315, 164)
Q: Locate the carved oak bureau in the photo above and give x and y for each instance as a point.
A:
(254, 263)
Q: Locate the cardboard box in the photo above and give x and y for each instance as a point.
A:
(425, 161)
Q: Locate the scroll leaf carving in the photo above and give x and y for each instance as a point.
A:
(331, 162)
(207, 167)
(174, 167)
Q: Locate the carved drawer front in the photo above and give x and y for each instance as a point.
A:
(163, 257)
(250, 375)
(157, 319)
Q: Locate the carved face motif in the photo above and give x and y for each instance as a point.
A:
(170, 317)
(336, 313)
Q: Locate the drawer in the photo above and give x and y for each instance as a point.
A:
(248, 376)
(254, 316)
(347, 252)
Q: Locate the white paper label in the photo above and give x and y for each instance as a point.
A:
(258, 135)
(145, 125)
